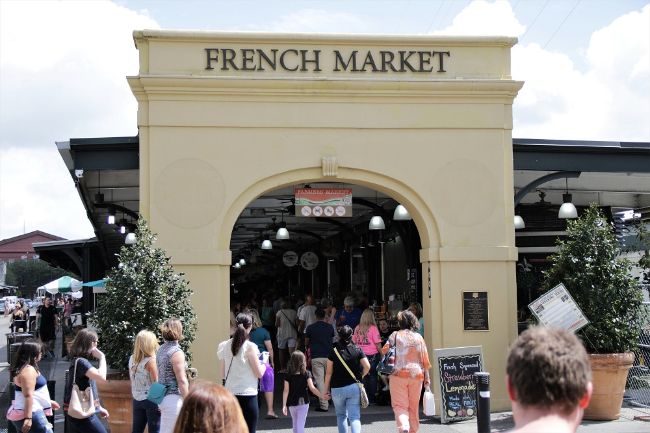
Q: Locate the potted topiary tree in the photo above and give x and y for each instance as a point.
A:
(141, 293)
(588, 264)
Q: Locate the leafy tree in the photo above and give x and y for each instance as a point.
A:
(141, 293)
(601, 283)
(30, 274)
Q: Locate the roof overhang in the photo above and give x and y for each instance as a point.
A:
(73, 256)
(615, 174)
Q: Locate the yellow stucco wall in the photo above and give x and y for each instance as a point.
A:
(440, 143)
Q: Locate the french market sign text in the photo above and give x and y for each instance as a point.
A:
(294, 60)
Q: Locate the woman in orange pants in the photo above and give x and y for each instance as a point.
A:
(411, 372)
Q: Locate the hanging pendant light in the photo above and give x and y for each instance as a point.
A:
(282, 234)
(237, 265)
(130, 239)
(111, 215)
(266, 243)
(376, 223)
(567, 210)
(123, 226)
(401, 214)
(242, 262)
(519, 223)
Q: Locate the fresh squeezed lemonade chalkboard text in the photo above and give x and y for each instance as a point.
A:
(456, 367)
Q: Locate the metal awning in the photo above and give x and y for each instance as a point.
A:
(106, 173)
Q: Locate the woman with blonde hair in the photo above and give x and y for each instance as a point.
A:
(170, 360)
(210, 408)
(143, 372)
(366, 336)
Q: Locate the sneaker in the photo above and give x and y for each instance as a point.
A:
(320, 409)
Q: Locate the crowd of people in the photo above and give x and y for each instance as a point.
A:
(329, 355)
(315, 348)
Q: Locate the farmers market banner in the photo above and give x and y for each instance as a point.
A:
(323, 202)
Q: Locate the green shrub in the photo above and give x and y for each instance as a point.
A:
(588, 264)
(141, 293)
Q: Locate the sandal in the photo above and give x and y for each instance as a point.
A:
(271, 416)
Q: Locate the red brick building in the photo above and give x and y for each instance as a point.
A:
(20, 248)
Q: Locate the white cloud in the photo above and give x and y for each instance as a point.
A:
(608, 101)
(63, 68)
(40, 195)
(482, 18)
(315, 20)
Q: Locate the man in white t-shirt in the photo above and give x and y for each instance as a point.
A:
(306, 314)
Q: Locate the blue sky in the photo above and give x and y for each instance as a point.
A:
(585, 63)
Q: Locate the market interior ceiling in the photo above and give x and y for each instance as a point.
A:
(106, 171)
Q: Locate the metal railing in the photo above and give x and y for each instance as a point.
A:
(637, 388)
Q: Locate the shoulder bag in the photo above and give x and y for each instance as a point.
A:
(362, 391)
(223, 381)
(293, 325)
(82, 404)
(157, 392)
(386, 366)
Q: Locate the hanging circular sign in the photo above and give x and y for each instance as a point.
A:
(290, 258)
(309, 261)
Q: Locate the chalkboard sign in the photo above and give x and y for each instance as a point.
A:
(475, 311)
(456, 368)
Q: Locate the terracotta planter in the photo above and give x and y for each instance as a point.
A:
(115, 396)
(609, 374)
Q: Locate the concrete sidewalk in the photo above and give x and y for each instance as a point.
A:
(380, 419)
(374, 418)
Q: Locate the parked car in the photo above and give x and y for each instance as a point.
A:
(2, 307)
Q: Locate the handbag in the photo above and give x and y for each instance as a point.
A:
(386, 365)
(157, 392)
(82, 403)
(428, 403)
(362, 390)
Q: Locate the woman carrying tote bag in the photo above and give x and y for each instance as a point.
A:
(85, 376)
(411, 372)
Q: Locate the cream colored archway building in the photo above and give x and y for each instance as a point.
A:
(226, 117)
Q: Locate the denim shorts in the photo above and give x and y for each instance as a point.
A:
(40, 424)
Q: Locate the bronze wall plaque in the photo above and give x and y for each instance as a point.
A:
(475, 311)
